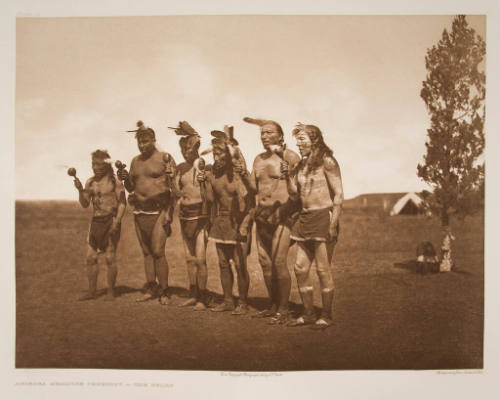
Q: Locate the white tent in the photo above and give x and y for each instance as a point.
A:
(403, 201)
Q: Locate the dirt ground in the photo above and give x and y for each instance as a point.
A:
(385, 317)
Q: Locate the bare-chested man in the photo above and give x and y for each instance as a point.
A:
(274, 216)
(318, 184)
(149, 179)
(230, 206)
(193, 215)
(108, 200)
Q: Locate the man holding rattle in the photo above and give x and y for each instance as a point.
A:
(108, 200)
(274, 215)
(150, 180)
(230, 205)
(193, 215)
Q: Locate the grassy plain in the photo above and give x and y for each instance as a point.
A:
(385, 317)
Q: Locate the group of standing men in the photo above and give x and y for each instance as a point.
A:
(289, 198)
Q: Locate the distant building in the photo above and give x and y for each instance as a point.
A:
(403, 203)
(410, 203)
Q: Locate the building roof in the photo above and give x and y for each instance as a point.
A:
(411, 196)
(374, 200)
(390, 202)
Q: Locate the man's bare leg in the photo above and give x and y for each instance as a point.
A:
(149, 268)
(265, 261)
(224, 253)
(303, 262)
(280, 247)
(92, 268)
(202, 271)
(112, 271)
(322, 255)
(192, 269)
(243, 278)
(159, 238)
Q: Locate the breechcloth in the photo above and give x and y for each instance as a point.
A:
(99, 232)
(224, 228)
(312, 225)
(268, 218)
(146, 222)
(193, 221)
(146, 214)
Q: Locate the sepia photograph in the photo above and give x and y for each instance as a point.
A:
(250, 193)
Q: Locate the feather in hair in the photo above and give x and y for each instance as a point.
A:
(219, 135)
(184, 129)
(255, 121)
(140, 127)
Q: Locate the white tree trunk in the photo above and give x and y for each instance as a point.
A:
(447, 260)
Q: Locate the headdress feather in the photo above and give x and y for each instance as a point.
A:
(184, 129)
(227, 135)
(142, 129)
(255, 121)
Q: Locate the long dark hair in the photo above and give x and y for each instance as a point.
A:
(319, 149)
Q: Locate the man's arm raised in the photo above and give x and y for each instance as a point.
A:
(122, 204)
(205, 177)
(291, 179)
(127, 177)
(84, 195)
(248, 180)
(170, 176)
(250, 207)
(334, 179)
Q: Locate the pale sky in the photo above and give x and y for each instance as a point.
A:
(81, 82)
